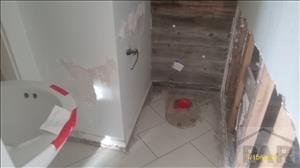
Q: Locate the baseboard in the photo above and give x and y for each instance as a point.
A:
(193, 86)
(98, 141)
(73, 138)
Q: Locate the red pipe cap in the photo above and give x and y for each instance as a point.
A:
(183, 103)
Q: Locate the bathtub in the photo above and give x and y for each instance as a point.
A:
(25, 105)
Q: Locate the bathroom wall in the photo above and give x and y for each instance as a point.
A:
(8, 72)
(81, 46)
(275, 26)
(194, 33)
(74, 46)
(12, 27)
(133, 23)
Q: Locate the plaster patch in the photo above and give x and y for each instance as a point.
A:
(91, 84)
(140, 11)
(122, 30)
(134, 22)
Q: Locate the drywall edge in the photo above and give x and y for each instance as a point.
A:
(16, 35)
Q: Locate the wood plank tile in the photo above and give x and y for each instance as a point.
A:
(187, 31)
(194, 8)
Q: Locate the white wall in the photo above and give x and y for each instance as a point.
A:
(276, 26)
(77, 45)
(12, 26)
(73, 44)
(133, 18)
(8, 70)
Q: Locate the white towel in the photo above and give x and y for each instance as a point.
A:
(56, 120)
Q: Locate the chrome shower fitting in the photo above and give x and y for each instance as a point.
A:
(133, 52)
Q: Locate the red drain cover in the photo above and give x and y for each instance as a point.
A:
(183, 103)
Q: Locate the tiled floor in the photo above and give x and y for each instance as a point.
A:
(156, 143)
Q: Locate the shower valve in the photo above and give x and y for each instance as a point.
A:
(133, 52)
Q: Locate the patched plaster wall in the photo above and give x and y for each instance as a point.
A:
(133, 27)
(82, 47)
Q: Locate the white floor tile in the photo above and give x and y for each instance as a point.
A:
(137, 156)
(185, 156)
(155, 94)
(147, 119)
(160, 107)
(72, 152)
(212, 147)
(208, 112)
(165, 137)
(170, 143)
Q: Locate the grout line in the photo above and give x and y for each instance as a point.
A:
(203, 154)
(157, 157)
(178, 147)
(200, 135)
(154, 101)
(209, 123)
(147, 129)
(137, 135)
(149, 162)
(183, 144)
(158, 94)
(164, 118)
(173, 149)
(214, 129)
(217, 136)
(187, 142)
(84, 158)
(167, 153)
(147, 146)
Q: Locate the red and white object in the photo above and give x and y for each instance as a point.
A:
(25, 106)
(56, 120)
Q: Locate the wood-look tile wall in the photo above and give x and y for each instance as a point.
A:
(195, 33)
